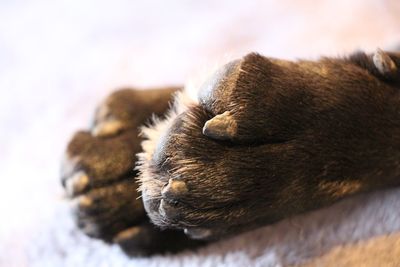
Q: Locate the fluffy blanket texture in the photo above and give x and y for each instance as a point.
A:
(59, 58)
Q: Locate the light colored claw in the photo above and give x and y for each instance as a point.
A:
(174, 188)
(107, 128)
(384, 63)
(127, 234)
(161, 208)
(85, 202)
(81, 202)
(221, 127)
(198, 233)
(166, 210)
(76, 184)
(90, 229)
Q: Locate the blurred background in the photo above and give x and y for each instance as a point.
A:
(58, 59)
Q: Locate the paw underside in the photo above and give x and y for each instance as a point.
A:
(99, 177)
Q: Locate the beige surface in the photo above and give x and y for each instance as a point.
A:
(379, 251)
(59, 58)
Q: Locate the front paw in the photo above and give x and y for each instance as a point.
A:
(206, 187)
(99, 177)
(270, 139)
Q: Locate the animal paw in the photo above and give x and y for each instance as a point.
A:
(269, 139)
(99, 177)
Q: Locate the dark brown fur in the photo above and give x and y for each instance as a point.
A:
(307, 134)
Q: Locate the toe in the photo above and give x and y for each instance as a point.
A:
(103, 212)
(145, 239)
(104, 160)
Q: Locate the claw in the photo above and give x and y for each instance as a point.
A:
(90, 229)
(107, 128)
(384, 63)
(127, 234)
(197, 233)
(167, 210)
(221, 127)
(161, 208)
(82, 202)
(174, 189)
(77, 184)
